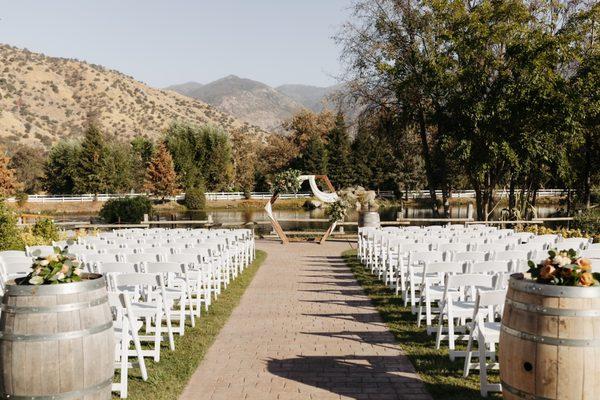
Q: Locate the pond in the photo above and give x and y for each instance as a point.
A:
(237, 216)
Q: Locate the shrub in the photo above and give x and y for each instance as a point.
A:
(588, 221)
(126, 210)
(46, 229)
(21, 199)
(10, 238)
(195, 199)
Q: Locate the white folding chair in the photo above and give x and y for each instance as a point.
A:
(486, 331)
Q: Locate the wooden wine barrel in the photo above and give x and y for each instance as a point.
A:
(550, 342)
(57, 341)
(368, 219)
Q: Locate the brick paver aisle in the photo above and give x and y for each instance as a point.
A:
(304, 330)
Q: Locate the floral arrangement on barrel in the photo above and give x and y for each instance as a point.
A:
(56, 268)
(286, 182)
(357, 197)
(564, 268)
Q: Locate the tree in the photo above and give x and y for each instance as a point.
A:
(314, 157)
(90, 168)
(161, 178)
(142, 150)
(120, 168)
(59, 169)
(28, 164)
(339, 169)
(8, 180)
(202, 154)
(360, 156)
(305, 124)
(245, 153)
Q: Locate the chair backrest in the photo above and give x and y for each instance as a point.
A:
(163, 267)
(183, 258)
(93, 258)
(408, 247)
(466, 280)
(485, 267)
(492, 247)
(117, 267)
(132, 279)
(473, 256)
(508, 255)
(444, 267)
(12, 253)
(22, 266)
(572, 243)
(490, 298)
(141, 257)
(591, 253)
(118, 250)
(456, 247)
(416, 257)
(39, 251)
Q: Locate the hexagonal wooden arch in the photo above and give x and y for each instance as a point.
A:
(277, 227)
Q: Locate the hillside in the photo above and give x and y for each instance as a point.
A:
(250, 101)
(43, 99)
(312, 97)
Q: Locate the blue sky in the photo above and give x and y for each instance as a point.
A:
(174, 41)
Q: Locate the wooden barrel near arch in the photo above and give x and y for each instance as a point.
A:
(57, 341)
(550, 342)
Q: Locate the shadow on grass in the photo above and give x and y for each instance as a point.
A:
(167, 378)
(443, 377)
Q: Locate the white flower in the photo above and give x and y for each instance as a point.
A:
(52, 257)
(43, 263)
(60, 276)
(562, 260)
(36, 280)
(75, 262)
(77, 271)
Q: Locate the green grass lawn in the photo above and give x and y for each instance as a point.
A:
(443, 378)
(167, 378)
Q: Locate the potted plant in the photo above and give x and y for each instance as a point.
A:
(365, 202)
(57, 306)
(548, 328)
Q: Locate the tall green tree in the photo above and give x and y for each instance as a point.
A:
(201, 154)
(339, 167)
(59, 169)
(90, 168)
(142, 149)
(314, 157)
(28, 164)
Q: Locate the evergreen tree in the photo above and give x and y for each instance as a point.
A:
(161, 178)
(60, 167)
(8, 180)
(314, 157)
(28, 163)
(90, 170)
(120, 170)
(339, 169)
(142, 150)
(361, 158)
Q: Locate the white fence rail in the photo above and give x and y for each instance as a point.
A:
(215, 196)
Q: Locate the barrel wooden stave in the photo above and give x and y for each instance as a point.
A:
(56, 366)
(559, 371)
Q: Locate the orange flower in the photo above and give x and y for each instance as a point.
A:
(547, 272)
(585, 264)
(586, 279)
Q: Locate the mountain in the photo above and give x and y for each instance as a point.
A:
(44, 99)
(312, 97)
(251, 101)
(255, 102)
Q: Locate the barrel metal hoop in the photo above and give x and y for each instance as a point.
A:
(56, 336)
(552, 341)
(63, 288)
(523, 395)
(56, 308)
(517, 282)
(559, 312)
(63, 396)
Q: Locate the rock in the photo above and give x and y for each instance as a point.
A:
(312, 204)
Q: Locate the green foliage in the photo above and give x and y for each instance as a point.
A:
(286, 182)
(126, 209)
(118, 168)
(588, 221)
(314, 158)
(10, 238)
(89, 174)
(46, 229)
(339, 167)
(195, 199)
(60, 167)
(21, 199)
(28, 164)
(337, 210)
(202, 154)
